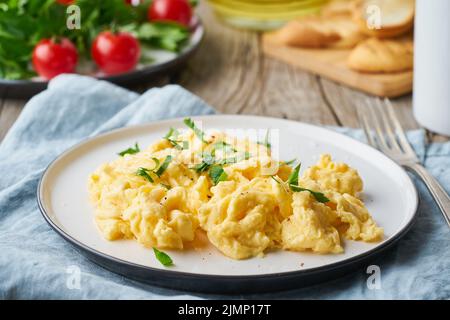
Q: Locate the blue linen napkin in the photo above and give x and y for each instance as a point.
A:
(36, 263)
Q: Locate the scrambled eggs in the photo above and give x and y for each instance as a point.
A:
(190, 180)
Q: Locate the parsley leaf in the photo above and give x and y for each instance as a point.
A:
(217, 174)
(293, 178)
(290, 162)
(130, 150)
(199, 133)
(293, 185)
(163, 257)
(266, 141)
(193, 3)
(244, 156)
(173, 133)
(143, 172)
(225, 147)
(207, 161)
(156, 161)
(166, 186)
(172, 137)
(275, 179)
(166, 35)
(318, 195)
(178, 146)
(164, 166)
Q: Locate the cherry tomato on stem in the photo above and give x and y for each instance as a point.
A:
(133, 2)
(65, 2)
(115, 53)
(51, 57)
(179, 11)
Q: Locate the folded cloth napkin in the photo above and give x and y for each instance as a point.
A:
(36, 263)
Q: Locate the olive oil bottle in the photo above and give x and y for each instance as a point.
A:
(263, 14)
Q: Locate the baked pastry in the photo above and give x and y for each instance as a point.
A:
(320, 32)
(384, 18)
(377, 56)
(337, 8)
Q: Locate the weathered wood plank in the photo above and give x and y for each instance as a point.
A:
(433, 137)
(231, 73)
(9, 112)
(344, 101)
(293, 94)
(226, 71)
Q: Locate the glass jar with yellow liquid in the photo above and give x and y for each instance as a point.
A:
(263, 14)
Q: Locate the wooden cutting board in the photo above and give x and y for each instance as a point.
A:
(331, 63)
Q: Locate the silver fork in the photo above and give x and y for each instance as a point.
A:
(384, 132)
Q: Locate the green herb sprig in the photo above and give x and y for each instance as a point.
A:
(163, 258)
(318, 195)
(266, 141)
(132, 150)
(292, 182)
(146, 173)
(164, 166)
(224, 146)
(172, 137)
(289, 162)
(207, 161)
(199, 133)
(217, 174)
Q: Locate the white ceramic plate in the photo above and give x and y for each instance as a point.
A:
(388, 191)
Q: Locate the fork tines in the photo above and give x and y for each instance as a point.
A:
(383, 129)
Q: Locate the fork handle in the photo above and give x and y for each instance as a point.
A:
(437, 191)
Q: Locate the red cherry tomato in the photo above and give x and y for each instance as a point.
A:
(52, 58)
(171, 10)
(65, 2)
(133, 2)
(115, 53)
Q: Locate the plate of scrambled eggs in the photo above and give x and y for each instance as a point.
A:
(222, 203)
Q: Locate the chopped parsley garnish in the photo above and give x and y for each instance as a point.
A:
(164, 166)
(293, 178)
(225, 147)
(318, 195)
(130, 150)
(166, 186)
(173, 133)
(266, 141)
(275, 179)
(293, 185)
(156, 161)
(244, 156)
(199, 133)
(163, 257)
(143, 172)
(210, 165)
(217, 174)
(207, 161)
(201, 167)
(290, 162)
(172, 137)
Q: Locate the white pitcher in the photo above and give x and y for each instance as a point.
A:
(431, 102)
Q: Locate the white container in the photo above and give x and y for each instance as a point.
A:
(431, 101)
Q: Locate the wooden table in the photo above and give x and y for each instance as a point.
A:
(231, 73)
